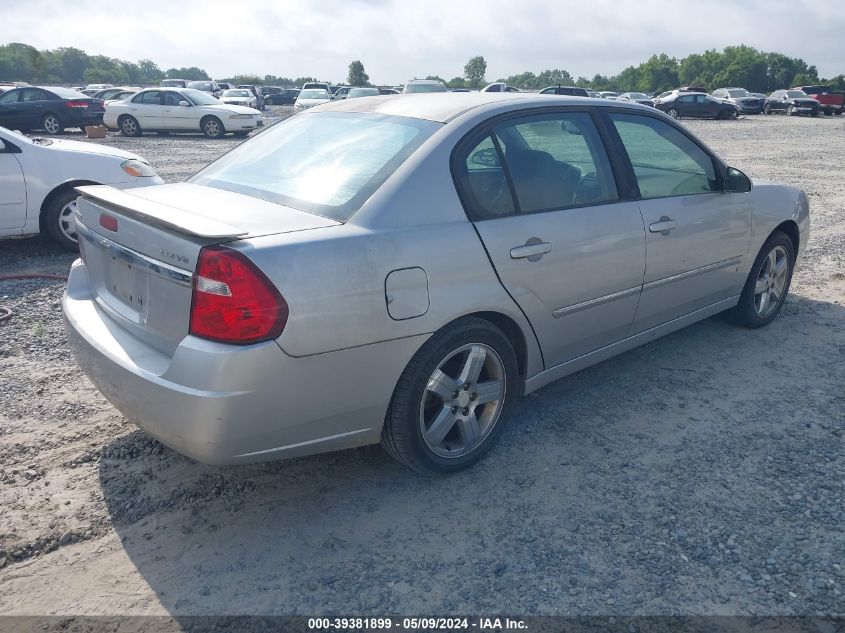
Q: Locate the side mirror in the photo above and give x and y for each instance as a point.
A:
(184, 103)
(736, 181)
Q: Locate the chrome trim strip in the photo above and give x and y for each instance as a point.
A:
(177, 275)
(725, 263)
(592, 303)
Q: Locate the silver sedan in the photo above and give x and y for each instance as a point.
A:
(403, 270)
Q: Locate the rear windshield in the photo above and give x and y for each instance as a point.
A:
(327, 163)
(67, 93)
(433, 87)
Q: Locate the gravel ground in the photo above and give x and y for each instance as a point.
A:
(702, 473)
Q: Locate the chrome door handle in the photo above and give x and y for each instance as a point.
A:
(665, 225)
(533, 250)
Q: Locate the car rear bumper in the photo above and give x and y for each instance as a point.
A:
(224, 404)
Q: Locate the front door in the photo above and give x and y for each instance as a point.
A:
(543, 198)
(10, 110)
(12, 191)
(697, 235)
(177, 117)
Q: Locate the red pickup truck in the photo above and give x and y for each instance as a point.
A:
(832, 102)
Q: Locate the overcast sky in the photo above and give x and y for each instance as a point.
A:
(400, 39)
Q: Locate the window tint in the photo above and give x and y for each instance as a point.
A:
(485, 183)
(172, 98)
(151, 97)
(32, 94)
(556, 161)
(666, 162)
(10, 97)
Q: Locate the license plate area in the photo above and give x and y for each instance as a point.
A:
(128, 287)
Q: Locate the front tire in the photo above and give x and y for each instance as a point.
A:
(212, 127)
(52, 124)
(789, 110)
(767, 109)
(767, 284)
(673, 112)
(59, 220)
(451, 401)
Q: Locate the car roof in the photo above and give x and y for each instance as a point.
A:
(442, 107)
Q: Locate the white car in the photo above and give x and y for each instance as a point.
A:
(239, 96)
(310, 98)
(38, 176)
(179, 110)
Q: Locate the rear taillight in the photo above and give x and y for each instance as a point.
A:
(233, 301)
(76, 104)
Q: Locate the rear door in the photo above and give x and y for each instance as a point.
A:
(12, 190)
(697, 235)
(147, 109)
(544, 200)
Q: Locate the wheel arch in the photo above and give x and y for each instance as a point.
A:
(57, 191)
(514, 334)
(791, 229)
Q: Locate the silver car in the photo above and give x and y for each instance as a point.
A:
(401, 271)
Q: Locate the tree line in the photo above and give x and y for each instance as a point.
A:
(744, 66)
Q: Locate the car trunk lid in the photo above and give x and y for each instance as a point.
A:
(141, 247)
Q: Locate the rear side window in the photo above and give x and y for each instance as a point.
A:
(556, 161)
(483, 179)
(151, 97)
(327, 163)
(10, 97)
(666, 162)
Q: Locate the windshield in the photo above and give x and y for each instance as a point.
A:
(200, 85)
(172, 83)
(313, 94)
(363, 92)
(197, 97)
(237, 93)
(433, 87)
(796, 94)
(739, 92)
(326, 163)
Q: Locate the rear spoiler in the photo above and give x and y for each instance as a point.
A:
(173, 218)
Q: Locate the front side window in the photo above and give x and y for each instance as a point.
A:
(666, 162)
(326, 163)
(556, 161)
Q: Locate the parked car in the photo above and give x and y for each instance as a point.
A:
(239, 96)
(111, 94)
(696, 105)
(286, 97)
(608, 94)
(830, 101)
(308, 98)
(340, 92)
(424, 85)
(593, 94)
(636, 97)
(392, 91)
(355, 93)
(92, 89)
(211, 87)
(328, 284)
(173, 83)
(499, 86)
(571, 91)
(791, 102)
(741, 98)
(224, 85)
(38, 177)
(268, 91)
(317, 85)
(175, 110)
(259, 98)
(692, 89)
(49, 109)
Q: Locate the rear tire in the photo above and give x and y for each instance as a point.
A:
(52, 124)
(767, 109)
(767, 284)
(129, 126)
(59, 220)
(212, 127)
(673, 112)
(452, 400)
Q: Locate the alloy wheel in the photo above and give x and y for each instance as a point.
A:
(771, 281)
(212, 127)
(67, 225)
(463, 400)
(51, 124)
(129, 127)
(674, 113)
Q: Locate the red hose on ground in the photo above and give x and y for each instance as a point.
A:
(6, 313)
